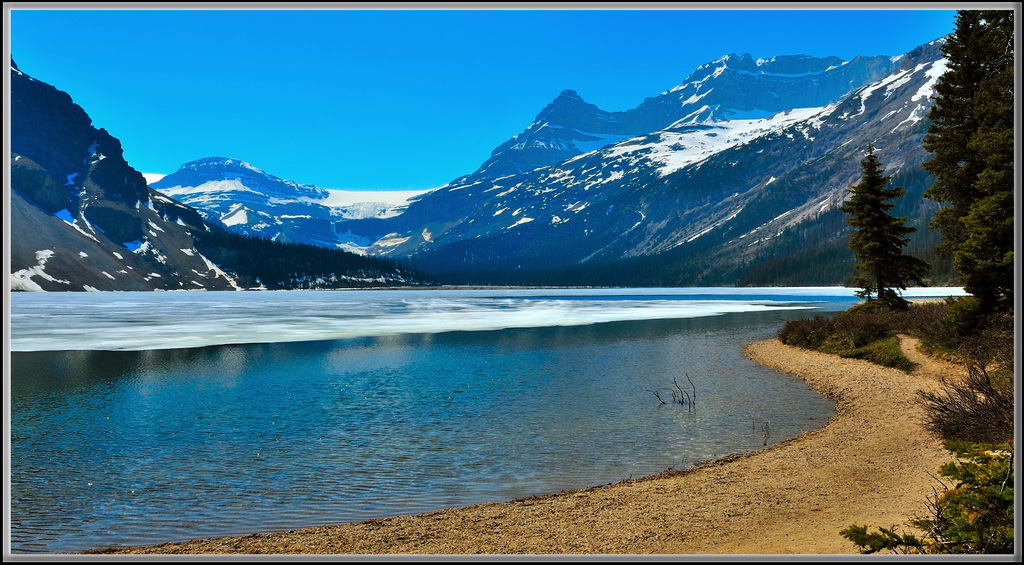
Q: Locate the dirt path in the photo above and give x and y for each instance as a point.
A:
(872, 464)
(929, 367)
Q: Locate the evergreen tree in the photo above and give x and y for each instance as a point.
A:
(878, 238)
(971, 138)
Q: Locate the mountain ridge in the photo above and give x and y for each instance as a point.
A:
(716, 91)
(701, 200)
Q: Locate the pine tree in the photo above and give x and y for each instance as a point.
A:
(878, 238)
(971, 138)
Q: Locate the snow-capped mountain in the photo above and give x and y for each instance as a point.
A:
(696, 189)
(731, 87)
(82, 219)
(250, 201)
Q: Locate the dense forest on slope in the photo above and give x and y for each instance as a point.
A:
(278, 265)
(817, 255)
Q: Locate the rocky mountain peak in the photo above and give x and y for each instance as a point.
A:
(928, 52)
(83, 218)
(569, 109)
(777, 65)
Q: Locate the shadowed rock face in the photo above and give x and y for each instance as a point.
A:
(82, 218)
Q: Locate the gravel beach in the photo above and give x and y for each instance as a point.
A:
(873, 464)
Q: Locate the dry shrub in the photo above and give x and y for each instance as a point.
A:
(808, 333)
(966, 333)
(860, 326)
(981, 407)
(974, 410)
(920, 318)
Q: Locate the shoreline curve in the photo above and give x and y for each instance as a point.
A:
(873, 463)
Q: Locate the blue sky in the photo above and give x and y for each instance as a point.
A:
(395, 99)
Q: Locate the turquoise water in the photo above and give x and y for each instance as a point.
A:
(153, 444)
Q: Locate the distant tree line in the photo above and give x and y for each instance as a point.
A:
(280, 265)
(814, 253)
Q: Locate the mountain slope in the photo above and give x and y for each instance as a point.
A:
(83, 219)
(707, 199)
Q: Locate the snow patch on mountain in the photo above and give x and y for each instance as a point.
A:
(209, 190)
(391, 240)
(520, 221)
(933, 72)
(684, 144)
(713, 226)
(237, 215)
(358, 204)
(217, 271)
(341, 198)
(153, 177)
(22, 279)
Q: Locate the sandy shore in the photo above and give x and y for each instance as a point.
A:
(872, 464)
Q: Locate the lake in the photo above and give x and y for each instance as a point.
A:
(140, 418)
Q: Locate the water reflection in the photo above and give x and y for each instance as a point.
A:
(126, 447)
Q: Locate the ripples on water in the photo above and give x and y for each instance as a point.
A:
(142, 447)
